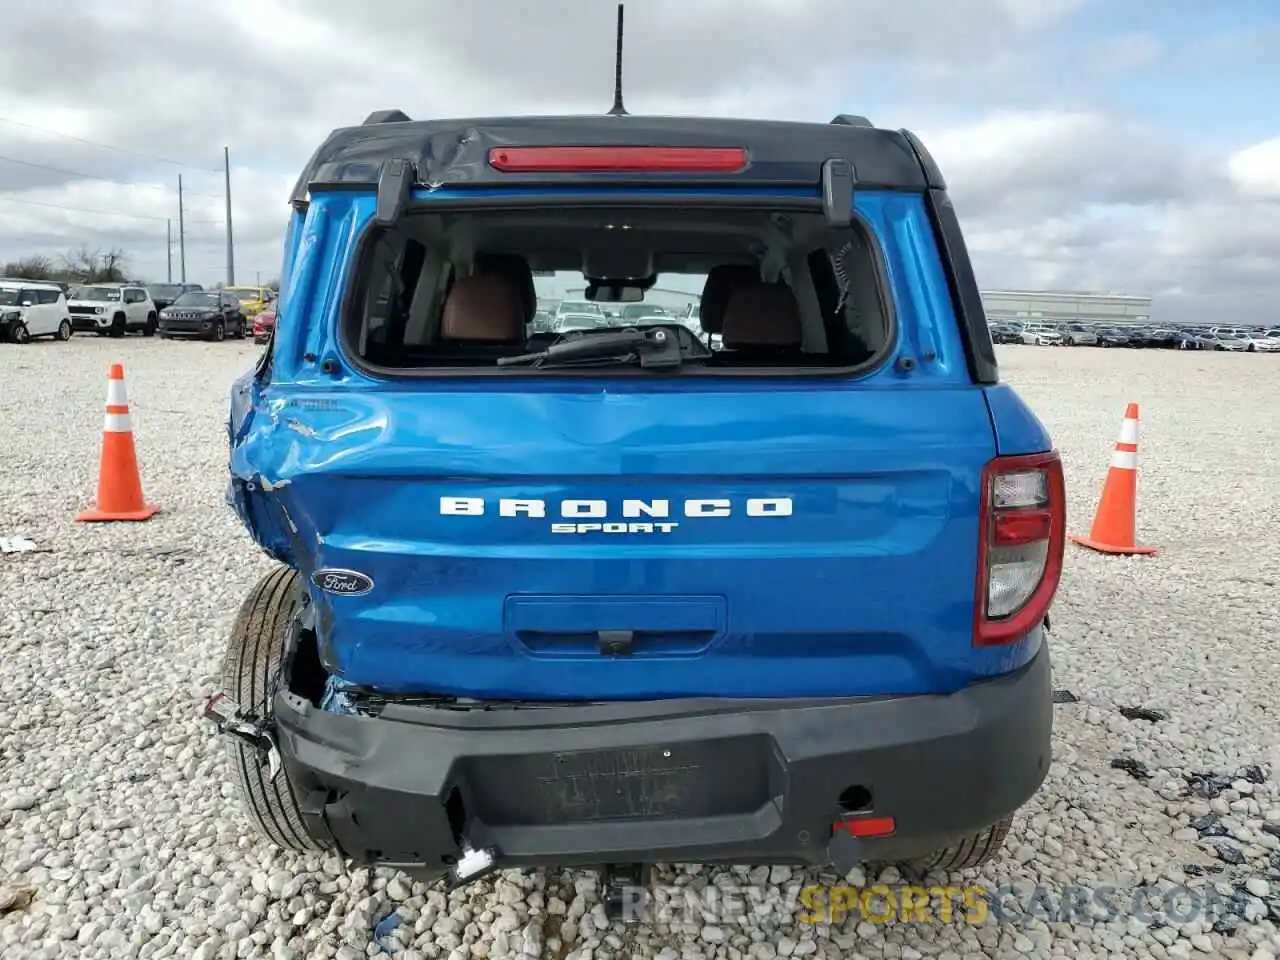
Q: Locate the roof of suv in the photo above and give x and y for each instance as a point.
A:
(12, 282)
(455, 153)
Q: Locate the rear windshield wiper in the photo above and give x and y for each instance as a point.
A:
(651, 349)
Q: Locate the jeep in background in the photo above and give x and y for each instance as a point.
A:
(608, 597)
(163, 294)
(112, 308)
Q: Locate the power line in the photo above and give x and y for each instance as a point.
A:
(95, 176)
(57, 206)
(108, 146)
(104, 213)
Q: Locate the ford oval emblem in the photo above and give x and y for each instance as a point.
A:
(342, 583)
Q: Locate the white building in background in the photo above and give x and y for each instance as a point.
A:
(1065, 305)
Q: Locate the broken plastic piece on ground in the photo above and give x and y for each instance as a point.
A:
(1207, 785)
(1065, 696)
(1143, 713)
(384, 927)
(16, 545)
(1227, 851)
(1256, 773)
(1135, 768)
(1209, 825)
(471, 866)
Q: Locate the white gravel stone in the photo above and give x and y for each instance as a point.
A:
(123, 821)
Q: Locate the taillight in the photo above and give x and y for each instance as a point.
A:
(618, 159)
(1022, 530)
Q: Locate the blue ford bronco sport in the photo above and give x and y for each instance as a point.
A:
(602, 596)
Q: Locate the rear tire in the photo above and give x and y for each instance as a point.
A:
(972, 851)
(250, 669)
(152, 322)
(64, 330)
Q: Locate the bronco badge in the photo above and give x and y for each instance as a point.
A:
(343, 583)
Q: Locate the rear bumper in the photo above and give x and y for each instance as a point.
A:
(698, 782)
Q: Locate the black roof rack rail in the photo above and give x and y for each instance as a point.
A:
(386, 116)
(851, 120)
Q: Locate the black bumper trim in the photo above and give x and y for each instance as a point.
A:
(405, 787)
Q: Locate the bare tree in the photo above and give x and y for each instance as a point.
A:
(35, 267)
(86, 265)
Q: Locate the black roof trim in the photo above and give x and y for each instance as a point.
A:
(932, 172)
(386, 116)
(455, 152)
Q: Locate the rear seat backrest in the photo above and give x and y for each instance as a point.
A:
(483, 308)
(762, 315)
(516, 269)
(720, 283)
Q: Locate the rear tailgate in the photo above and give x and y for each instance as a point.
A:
(816, 540)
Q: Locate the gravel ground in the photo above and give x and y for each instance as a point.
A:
(117, 815)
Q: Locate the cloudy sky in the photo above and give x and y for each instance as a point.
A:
(1090, 144)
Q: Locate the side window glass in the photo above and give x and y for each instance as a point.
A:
(29, 296)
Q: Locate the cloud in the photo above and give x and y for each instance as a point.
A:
(1060, 177)
(1099, 202)
(1255, 170)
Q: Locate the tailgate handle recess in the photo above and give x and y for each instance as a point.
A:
(616, 643)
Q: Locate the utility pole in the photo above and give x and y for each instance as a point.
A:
(168, 246)
(182, 234)
(231, 261)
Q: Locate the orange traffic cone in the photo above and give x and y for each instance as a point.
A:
(119, 486)
(1114, 523)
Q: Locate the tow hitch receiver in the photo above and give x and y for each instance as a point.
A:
(624, 890)
(232, 721)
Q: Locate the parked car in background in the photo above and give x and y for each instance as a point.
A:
(163, 294)
(572, 320)
(263, 324)
(1263, 344)
(579, 309)
(542, 322)
(1005, 332)
(252, 300)
(208, 314)
(1079, 335)
(1041, 335)
(112, 308)
(1113, 337)
(30, 309)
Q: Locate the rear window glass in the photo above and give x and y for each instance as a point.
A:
(755, 289)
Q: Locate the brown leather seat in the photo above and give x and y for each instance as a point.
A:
(762, 314)
(720, 283)
(516, 269)
(483, 308)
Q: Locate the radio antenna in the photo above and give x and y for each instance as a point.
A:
(618, 109)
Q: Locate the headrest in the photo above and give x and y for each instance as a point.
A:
(516, 269)
(483, 307)
(721, 282)
(762, 315)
